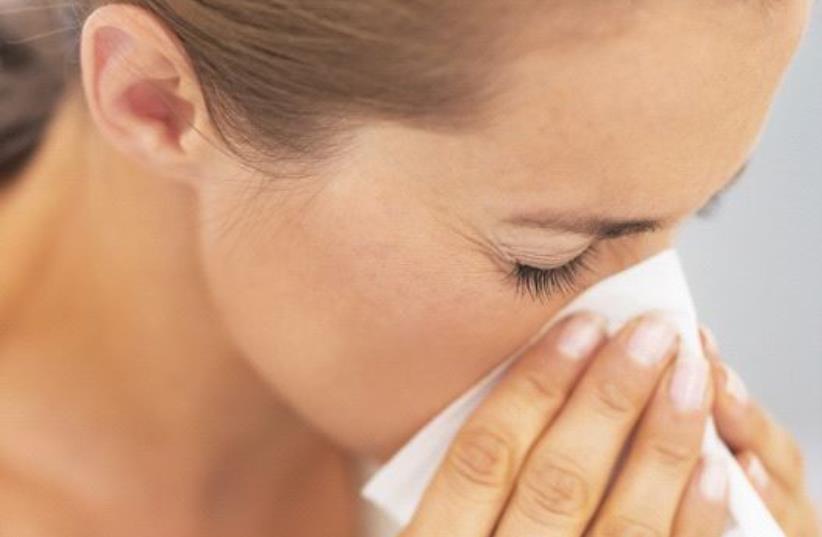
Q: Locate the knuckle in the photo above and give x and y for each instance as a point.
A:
(533, 384)
(480, 459)
(551, 489)
(614, 399)
(670, 453)
(625, 527)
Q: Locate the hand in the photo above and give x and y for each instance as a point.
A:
(767, 452)
(543, 455)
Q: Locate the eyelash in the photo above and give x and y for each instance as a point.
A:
(542, 284)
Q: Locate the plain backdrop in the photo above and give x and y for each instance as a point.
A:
(756, 265)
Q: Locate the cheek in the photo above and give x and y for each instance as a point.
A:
(368, 317)
(366, 322)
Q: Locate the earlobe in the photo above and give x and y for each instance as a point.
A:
(140, 89)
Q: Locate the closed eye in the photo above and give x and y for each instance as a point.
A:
(543, 284)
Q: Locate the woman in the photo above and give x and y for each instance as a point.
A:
(262, 237)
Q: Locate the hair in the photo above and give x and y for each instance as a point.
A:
(31, 82)
(287, 78)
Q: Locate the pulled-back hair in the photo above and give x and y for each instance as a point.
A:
(286, 77)
(32, 75)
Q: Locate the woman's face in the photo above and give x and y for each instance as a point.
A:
(374, 294)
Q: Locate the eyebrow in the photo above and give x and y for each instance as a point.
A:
(608, 228)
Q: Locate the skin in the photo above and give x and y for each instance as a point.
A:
(564, 470)
(389, 274)
(405, 206)
(538, 455)
(346, 308)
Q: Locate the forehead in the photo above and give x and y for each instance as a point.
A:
(648, 113)
(646, 118)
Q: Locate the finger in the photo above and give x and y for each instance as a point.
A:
(811, 524)
(660, 464)
(794, 512)
(565, 476)
(779, 502)
(473, 483)
(745, 426)
(704, 509)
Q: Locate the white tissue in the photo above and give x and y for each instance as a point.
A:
(657, 284)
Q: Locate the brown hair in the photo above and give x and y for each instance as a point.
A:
(31, 81)
(286, 76)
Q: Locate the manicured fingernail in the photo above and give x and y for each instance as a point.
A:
(734, 385)
(756, 471)
(713, 483)
(689, 385)
(580, 336)
(709, 340)
(651, 341)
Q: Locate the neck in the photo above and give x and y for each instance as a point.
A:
(108, 339)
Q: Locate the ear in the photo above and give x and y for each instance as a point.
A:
(142, 90)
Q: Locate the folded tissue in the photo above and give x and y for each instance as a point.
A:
(657, 284)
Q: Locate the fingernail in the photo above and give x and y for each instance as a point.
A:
(713, 484)
(756, 471)
(580, 336)
(689, 385)
(735, 386)
(709, 340)
(651, 341)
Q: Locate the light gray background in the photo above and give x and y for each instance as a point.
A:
(756, 265)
